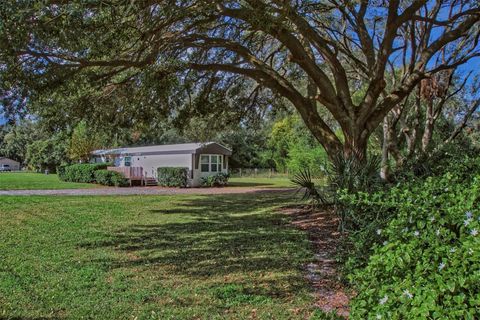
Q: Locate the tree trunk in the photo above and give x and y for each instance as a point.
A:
(384, 171)
(355, 147)
(429, 123)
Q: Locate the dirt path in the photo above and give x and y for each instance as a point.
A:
(138, 191)
(323, 233)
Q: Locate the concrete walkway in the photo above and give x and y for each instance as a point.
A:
(139, 191)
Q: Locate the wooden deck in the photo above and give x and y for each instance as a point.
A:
(131, 173)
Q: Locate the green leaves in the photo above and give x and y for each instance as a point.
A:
(428, 265)
(218, 180)
(173, 177)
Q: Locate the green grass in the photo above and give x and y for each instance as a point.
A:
(152, 257)
(282, 182)
(260, 182)
(30, 180)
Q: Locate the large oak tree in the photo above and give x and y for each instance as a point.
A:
(328, 58)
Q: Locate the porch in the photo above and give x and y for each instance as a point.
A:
(134, 174)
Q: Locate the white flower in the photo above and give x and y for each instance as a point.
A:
(452, 250)
(467, 222)
(416, 233)
(410, 220)
(441, 266)
(470, 251)
(432, 218)
(385, 243)
(383, 300)
(474, 232)
(469, 215)
(407, 294)
(379, 317)
(405, 230)
(437, 232)
(379, 231)
(446, 189)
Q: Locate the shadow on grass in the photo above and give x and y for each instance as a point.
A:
(213, 236)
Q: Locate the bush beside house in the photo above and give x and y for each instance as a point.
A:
(173, 177)
(110, 178)
(218, 180)
(82, 172)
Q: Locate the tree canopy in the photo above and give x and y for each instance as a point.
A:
(96, 56)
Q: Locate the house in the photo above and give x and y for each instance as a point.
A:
(141, 163)
(7, 164)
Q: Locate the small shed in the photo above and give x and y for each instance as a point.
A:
(9, 164)
(202, 159)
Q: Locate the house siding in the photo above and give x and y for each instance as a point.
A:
(150, 163)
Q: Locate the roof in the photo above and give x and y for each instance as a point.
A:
(183, 148)
(5, 158)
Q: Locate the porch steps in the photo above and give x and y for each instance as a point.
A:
(151, 182)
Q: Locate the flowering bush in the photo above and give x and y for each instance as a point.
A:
(426, 263)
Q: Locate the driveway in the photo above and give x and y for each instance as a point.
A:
(138, 191)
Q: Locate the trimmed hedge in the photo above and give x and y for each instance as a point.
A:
(83, 172)
(110, 178)
(173, 177)
(218, 180)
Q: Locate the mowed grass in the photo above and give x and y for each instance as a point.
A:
(152, 257)
(30, 181)
(260, 182)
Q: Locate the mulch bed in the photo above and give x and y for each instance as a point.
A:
(322, 228)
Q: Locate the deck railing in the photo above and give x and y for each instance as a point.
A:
(131, 173)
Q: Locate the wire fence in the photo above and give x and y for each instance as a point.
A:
(256, 173)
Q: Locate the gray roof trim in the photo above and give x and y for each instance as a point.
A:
(163, 150)
(155, 153)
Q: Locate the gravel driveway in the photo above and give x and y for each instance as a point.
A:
(138, 191)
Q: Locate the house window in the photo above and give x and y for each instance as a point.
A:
(204, 163)
(211, 163)
(128, 161)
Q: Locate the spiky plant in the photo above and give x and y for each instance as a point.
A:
(304, 181)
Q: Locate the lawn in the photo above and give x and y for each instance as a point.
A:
(30, 180)
(260, 182)
(152, 257)
(263, 182)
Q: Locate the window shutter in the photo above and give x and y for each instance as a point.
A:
(197, 160)
(224, 162)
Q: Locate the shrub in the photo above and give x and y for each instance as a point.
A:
(173, 177)
(218, 180)
(110, 178)
(84, 172)
(426, 260)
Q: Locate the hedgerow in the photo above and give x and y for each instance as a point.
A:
(83, 172)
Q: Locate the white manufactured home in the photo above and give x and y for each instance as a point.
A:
(141, 163)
